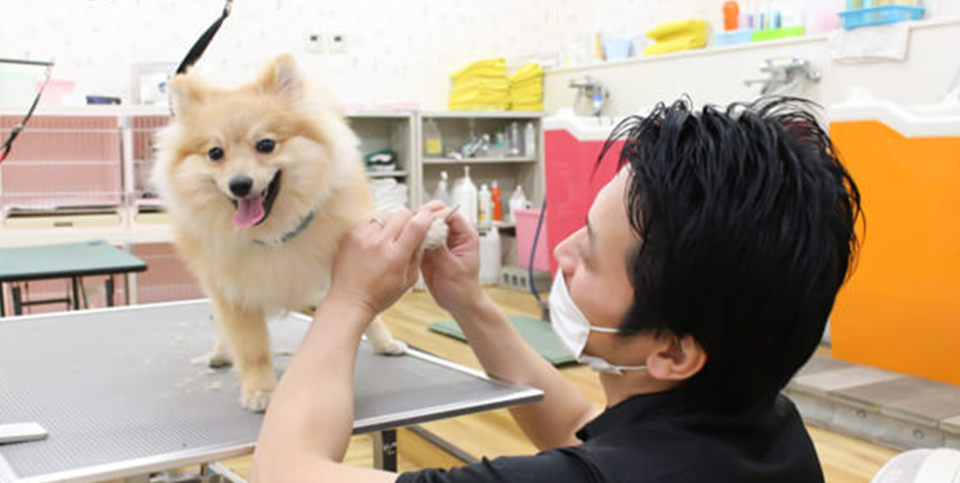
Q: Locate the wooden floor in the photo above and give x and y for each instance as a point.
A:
(844, 459)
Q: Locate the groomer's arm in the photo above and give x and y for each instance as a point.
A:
(451, 273)
(310, 418)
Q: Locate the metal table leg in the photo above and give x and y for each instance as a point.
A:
(109, 288)
(17, 300)
(385, 450)
(76, 292)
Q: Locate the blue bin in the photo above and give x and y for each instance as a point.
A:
(733, 37)
(887, 14)
(616, 49)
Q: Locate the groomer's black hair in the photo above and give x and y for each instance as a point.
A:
(747, 218)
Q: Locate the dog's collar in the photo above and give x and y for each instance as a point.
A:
(304, 223)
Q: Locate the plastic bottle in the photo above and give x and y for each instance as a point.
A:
(530, 140)
(443, 192)
(490, 257)
(731, 15)
(514, 139)
(484, 207)
(432, 139)
(500, 144)
(465, 195)
(495, 195)
(518, 201)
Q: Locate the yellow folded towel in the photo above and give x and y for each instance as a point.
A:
(675, 45)
(677, 36)
(527, 72)
(483, 83)
(679, 28)
(482, 68)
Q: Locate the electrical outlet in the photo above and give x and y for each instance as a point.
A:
(338, 44)
(313, 42)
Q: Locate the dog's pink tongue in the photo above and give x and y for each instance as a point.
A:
(249, 212)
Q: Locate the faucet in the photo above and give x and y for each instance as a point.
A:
(953, 90)
(591, 87)
(785, 74)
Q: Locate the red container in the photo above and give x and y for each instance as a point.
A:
(572, 146)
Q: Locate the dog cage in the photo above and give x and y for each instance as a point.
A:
(63, 164)
(143, 131)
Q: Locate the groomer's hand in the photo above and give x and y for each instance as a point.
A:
(452, 271)
(377, 263)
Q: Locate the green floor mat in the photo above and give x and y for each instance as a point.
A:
(536, 332)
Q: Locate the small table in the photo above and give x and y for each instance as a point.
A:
(120, 396)
(70, 260)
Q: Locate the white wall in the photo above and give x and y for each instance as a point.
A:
(399, 49)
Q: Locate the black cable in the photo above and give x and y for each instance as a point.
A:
(533, 252)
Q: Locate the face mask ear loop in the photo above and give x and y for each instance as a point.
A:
(605, 330)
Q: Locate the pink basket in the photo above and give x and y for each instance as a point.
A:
(526, 231)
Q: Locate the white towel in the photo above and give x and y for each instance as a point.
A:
(871, 44)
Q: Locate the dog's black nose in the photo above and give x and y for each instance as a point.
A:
(241, 185)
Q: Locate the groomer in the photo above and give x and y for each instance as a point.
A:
(700, 284)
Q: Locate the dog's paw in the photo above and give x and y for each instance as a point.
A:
(255, 401)
(436, 235)
(392, 347)
(218, 360)
(213, 359)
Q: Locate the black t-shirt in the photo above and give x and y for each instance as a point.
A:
(652, 438)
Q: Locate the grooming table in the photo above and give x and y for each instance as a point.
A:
(69, 260)
(122, 394)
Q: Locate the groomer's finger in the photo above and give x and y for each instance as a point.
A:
(394, 223)
(413, 270)
(435, 205)
(415, 231)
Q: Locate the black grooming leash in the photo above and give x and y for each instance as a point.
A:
(8, 144)
(201, 44)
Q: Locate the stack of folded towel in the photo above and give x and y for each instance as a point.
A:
(526, 88)
(481, 85)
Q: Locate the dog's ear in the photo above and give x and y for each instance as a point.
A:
(281, 76)
(185, 93)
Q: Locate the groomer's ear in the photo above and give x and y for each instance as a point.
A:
(676, 358)
(186, 91)
(281, 76)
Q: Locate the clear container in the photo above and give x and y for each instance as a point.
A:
(432, 139)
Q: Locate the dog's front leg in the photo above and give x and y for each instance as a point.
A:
(245, 330)
(382, 340)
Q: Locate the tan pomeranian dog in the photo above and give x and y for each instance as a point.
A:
(262, 182)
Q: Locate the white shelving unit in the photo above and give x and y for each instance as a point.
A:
(395, 131)
(458, 127)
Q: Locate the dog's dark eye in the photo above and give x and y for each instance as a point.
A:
(266, 146)
(216, 154)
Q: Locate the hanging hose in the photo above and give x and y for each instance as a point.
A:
(8, 144)
(533, 253)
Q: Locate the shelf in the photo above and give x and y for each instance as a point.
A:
(482, 114)
(116, 234)
(523, 159)
(501, 225)
(386, 174)
(378, 115)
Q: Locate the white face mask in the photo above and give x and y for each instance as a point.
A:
(573, 328)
